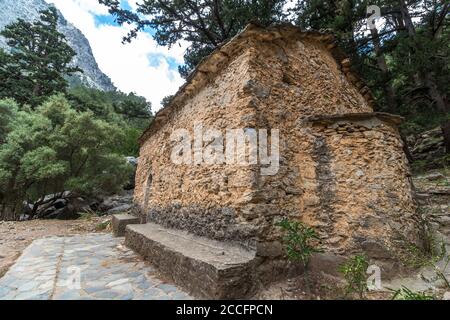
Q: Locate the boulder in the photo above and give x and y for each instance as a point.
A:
(119, 209)
(64, 208)
(116, 203)
(434, 176)
(132, 160)
(130, 184)
(65, 213)
(427, 145)
(326, 263)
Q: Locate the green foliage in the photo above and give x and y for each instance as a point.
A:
(354, 271)
(56, 148)
(53, 139)
(300, 241)
(406, 294)
(107, 105)
(128, 111)
(429, 251)
(38, 62)
(102, 226)
(8, 110)
(441, 272)
(166, 100)
(405, 60)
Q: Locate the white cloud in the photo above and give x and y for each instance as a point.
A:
(134, 4)
(128, 65)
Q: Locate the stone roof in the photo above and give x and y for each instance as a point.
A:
(209, 66)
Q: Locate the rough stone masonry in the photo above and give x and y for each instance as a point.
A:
(342, 169)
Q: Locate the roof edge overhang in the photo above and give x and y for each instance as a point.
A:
(210, 65)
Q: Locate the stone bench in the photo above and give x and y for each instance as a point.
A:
(204, 267)
(120, 221)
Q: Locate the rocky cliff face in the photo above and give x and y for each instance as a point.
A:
(11, 10)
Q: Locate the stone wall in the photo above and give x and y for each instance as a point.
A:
(360, 194)
(348, 178)
(203, 199)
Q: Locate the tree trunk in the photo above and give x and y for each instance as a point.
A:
(388, 90)
(427, 78)
(406, 149)
(434, 93)
(407, 18)
(446, 133)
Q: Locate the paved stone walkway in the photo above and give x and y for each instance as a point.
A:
(90, 266)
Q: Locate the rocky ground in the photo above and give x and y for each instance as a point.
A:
(433, 194)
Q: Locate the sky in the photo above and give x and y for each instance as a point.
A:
(142, 66)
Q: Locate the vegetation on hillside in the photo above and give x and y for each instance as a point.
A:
(40, 59)
(54, 138)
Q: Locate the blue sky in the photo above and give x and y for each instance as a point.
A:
(141, 66)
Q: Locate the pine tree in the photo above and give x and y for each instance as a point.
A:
(204, 24)
(405, 59)
(39, 59)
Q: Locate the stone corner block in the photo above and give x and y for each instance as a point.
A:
(120, 221)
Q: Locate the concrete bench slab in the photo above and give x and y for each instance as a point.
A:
(204, 267)
(120, 221)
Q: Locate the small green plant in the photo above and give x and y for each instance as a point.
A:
(430, 250)
(300, 244)
(419, 166)
(441, 271)
(102, 226)
(85, 216)
(354, 271)
(406, 294)
(300, 241)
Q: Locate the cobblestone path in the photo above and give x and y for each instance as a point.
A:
(89, 266)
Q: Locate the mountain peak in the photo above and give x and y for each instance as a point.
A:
(92, 76)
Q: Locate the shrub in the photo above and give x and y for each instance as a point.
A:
(406, 294)
(354, 271)
(56, 148)
(300, 241)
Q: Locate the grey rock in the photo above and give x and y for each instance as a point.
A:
(375, 250)
(167, 288)
(3, 291)
(180, 296)
(28, 286)
(92, 76)
(144, 285)
(435, 176)
(107, 294)
(326, 263)
(91, 290)
(129, 278)
(132, 160)
(121, 208)
(269, 249)
(221, 271)
(65, 213)
(69, 295)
